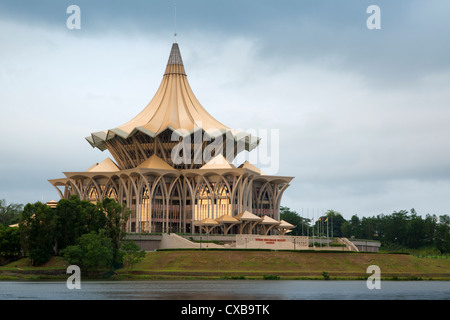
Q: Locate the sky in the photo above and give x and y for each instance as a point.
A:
(359, 117)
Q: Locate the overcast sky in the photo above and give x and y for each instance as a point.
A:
(362, 115)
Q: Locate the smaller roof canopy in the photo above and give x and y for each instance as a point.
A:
(155, 162)
(226, 218)
(106, 165)
(218, 162)
(249, 166)
(247, 216)
(269, 220)
(285, 225)
(207, 222)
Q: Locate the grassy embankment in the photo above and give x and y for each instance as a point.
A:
(201, 264)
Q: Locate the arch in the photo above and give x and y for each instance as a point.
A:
(158, 205)
(266, 200)
(175, 206)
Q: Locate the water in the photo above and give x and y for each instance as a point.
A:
(226, 290)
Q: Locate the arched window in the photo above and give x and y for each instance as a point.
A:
(93, 195)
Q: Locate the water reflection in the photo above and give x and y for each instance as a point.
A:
(226, 290)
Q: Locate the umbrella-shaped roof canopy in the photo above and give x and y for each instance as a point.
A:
(269, 220)
(248, 216)
(226, 218)
(155, 162)
(106, 165)
(218, 162)
(285, 225)
(207, 222)
(174, 107)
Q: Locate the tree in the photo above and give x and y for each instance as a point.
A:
(293, 218)
(430, 223)
(368, 228)
(9, 214)
(442, 238)
(346, 229)
(131, 253)
(75, 218)
(335, 221)
(395, 227)
(10, 242)
(351, 228)
(92, 253)
(116, 217)
(37, 227)
(414, 233)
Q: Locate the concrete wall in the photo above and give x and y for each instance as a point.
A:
(164, 241)
(146, 242)
(370, 246)
(271, 242)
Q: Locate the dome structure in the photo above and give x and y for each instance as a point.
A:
(173, 109)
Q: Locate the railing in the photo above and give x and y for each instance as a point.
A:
(348, 243)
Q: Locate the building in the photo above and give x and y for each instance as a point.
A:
(173, 168)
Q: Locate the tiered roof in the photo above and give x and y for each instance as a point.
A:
(173, 107)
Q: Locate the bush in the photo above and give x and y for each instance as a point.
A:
(271, 277)
(93, 252)
(131, 253)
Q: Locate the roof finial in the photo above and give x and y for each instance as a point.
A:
(175, 34)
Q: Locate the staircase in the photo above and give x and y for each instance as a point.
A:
(348, 243)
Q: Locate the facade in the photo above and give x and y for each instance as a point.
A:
(173, 168)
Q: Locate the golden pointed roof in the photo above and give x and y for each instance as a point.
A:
(206, 222)
(269, 220)
(174, 107)
(226, 218)
(106, 165)
(155, 162)
(249, 166)
(246, 215)
(218, 162)
(285, 225)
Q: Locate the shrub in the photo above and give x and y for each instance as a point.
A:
(271, 277)
(131, 253)
(93, 252)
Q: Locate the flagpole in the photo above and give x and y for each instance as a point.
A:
(307, 227)
(318, 230)
(327, 233)
(302, 223)
(332, 226)
(314, 244)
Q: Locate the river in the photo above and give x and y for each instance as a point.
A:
(225, 290)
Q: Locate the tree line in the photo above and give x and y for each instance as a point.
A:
(400, 229)
(83, 233)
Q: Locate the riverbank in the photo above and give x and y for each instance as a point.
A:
(247, 264)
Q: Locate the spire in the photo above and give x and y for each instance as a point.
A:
(175, 33)
(175, 63)
(175, 55)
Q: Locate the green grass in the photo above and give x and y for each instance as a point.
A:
(247, 264)
(55, 263)
(289, 264)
